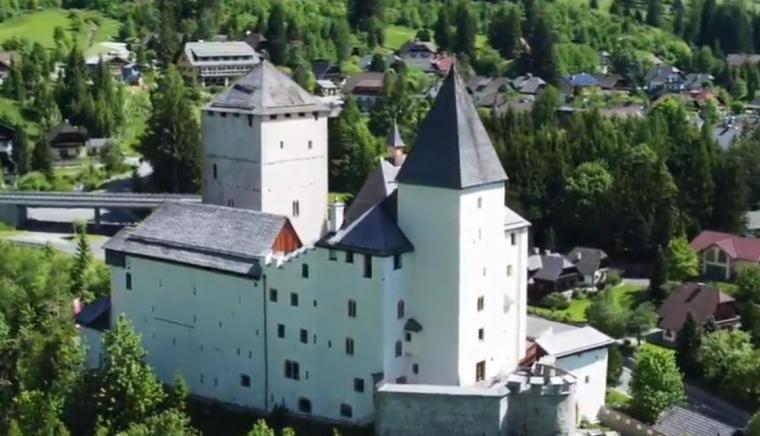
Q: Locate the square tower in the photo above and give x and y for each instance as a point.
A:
(265, 149)
(451, 194)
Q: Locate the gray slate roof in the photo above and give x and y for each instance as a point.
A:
(587, 260)
(223, 238)
(265, 90)
(549, 266)
(218, 49)
(379, 185)
(394, 138)
(680, 421)
(452, 149)
(375, 232)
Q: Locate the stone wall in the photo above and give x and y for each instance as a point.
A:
(624, 424)
(425, 410)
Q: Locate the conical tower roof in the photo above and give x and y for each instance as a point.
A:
(394, 138)
(452, 149)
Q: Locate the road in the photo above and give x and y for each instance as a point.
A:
(121, 184)
(59, 242)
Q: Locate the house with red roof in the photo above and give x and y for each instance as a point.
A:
(722, 255)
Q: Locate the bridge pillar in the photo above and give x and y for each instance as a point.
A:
(97, 216)
(21, 216)
(12, 214)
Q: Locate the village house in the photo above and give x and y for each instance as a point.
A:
(723, 255)
(702, 301)
(67, 141)
(550, 272)
(365, 88)
(6, 63)
(592, 263)
(7, 136)
(664, 77)
(216, 63)
(278, 300)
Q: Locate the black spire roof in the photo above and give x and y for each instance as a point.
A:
(452, 149)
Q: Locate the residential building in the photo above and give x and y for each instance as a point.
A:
(739, 59)
(390, 61)
(529, 85)
(327, 70)
(257, 308)
(6, 63)
(365, 88)
(581, 351)
(723, 255)
(217, 63)
(579, 84)
(7, 137)
(702, 301)
(67, 141)
(664, 77)
(256, 40)
(120, 66)
(265, 148)
(591, 263)
(610, 83)
(550, 272)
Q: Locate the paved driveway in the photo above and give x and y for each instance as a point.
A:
(59, 242)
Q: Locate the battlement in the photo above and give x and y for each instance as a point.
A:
(277, 260)
(541, 379)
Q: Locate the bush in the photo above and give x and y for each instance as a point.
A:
(579, 294)
(613, 278)
(555, 301)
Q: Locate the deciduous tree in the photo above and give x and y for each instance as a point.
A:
(656, 384)
(681, 260)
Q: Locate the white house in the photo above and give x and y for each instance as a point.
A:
(256, 301)
(581, 351)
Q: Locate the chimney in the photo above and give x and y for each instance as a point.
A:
(247, 32)
(536, 250)
(547, 252)
(336, 215)
(578, 256)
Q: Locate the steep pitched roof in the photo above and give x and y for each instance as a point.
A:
(735, 246)
(550, 266)
(587, 260)
(452, 150)
(375, 232)
(575, 341)
(700, 300)
(394, 138)
(380, 184)
(204, 235)
(265, 90)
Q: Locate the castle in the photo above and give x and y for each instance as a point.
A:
(267, 296)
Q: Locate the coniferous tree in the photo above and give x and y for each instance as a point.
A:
(505, 31)
(543, 57)
(466, 30)
(172, 141)
(689, 341)
(654, 13)
(81, 269)
(22, 151)
(658, 277)
(277, 42)
(442, 32)
(42, 158)
(750, 319)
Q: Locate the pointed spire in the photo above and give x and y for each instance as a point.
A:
(452, 150)
(394, 138)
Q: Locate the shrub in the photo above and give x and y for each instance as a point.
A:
(555, 301)
(613, 278)
(579, 294)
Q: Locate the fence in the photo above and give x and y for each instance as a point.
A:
(624, 424)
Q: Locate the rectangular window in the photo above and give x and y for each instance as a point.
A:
(415, 368)
(349, 257)
(273, 295)
(481, 334)
(351, 309)
(304, 336)
(128, 278)
(310, 145)
(481, 303)
(280, 331)
(509, 270)
(333, 255)
(245, 381)
(304, 405)
(305, 271)
(513, 238)
(480, 371)
(408, 337)
(231, 203)
(367, 266)
(358, 385)
(346, 411)
(397, 261)
(480, 202)
(296, 208)
(294, 299)
(292, 370)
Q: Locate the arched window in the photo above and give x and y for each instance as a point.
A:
(351, 309)
(399, 349)
(349, 346)
(400, 309)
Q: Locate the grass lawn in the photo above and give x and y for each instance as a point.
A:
(627, 295)
(396, 36)
(728, 288)
(615, 398)
(39, 27)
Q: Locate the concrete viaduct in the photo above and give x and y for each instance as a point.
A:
(14, 205)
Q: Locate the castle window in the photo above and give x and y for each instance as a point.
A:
(513, 238)
(273, 295)
(304, 336)
(332, 255)
(400, 309)
(294, 299)
(310, 145)
(282, 144)
(288, 115)
(281, 331)
(480, 371)
(397, 261)
(296, 208)
(245, 381)
(480, 202)
(349, 346)
(346, 411)
(481, 334)
(304, 405)
(230, 203)
(351, 309)
(358, 385)
(399, 349)
(215, 172)
(367, 266)
(349, 257)
(481, 303)
(273, 117)
(408, 337)
(509, 270)
(305, 271)
(224, 114)
(128, 279)
(415, 368)
(292, 370)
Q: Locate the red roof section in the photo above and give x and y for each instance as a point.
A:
(735, 246)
